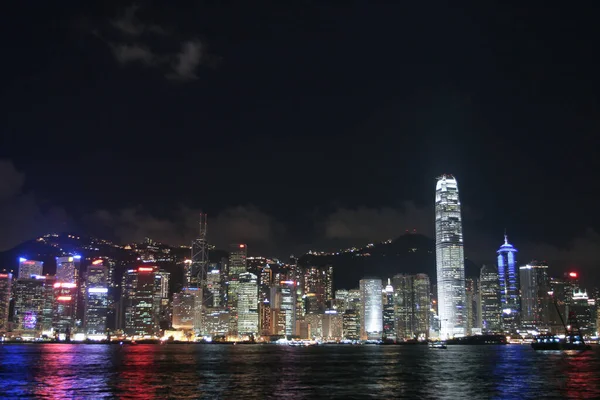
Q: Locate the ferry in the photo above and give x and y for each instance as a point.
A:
(438, 345)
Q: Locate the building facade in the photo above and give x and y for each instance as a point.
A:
(536, 302)
(27, 268)
(508, 275)
(489, 300)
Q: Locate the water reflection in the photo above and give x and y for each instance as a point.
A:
(262, 371)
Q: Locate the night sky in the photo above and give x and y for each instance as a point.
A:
(302, 125)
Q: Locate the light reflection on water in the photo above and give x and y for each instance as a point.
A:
(267, 371)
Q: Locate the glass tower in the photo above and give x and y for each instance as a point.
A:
(449, 258)
(536, 302)
(372, 309)
(508, 275)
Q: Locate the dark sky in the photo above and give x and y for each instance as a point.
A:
(304, 124)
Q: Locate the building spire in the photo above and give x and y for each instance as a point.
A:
(505, 237)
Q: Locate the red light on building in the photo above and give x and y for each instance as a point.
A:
(28, 262)
(3, 275)
(573, 274)
(64, 298)
(145, 269)
(97, 262)
(242, 246)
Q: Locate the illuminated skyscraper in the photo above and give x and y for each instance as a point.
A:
(371, 317)
(247, 307)
(389, 325)
(138, 300)
(5, 288)
(489, 300)
(283, 299)
(450, 258)
(28, 295)
(65, 308)
(412, 306)
(96, 301)
(183, 310)
(508, 275)
(237, 265)
(536, 302)
(27, 268)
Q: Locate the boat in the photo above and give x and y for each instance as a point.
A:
(573, 339)
(437, 345)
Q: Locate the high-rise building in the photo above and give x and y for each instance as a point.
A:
(508, 275)
(412, 306)
(341, 300)
(389, 323)
(247, 307)
(266, 279)
(332, 326)
(67, 269)
(237, 265)
(351, 324)
(489, 294)
(183, 310)
(138, 300)
(283, 299)
(584, 309)
(318, 282)
(27, 268)
(449, 258)
(65, 308)
(371, 318)
(28, 295)
(471, 304)
(96, 301)
(536, 301)
(5, 294)
(213, 285)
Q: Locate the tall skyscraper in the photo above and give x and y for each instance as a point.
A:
(318, 283)
(489, 293)
(389, 324)
(138, 299)
(247, 306)
(237, 265)
(371, 317)
(65, 308)
(536, 302)
(450, 258)
(5, 289)
(27, 268)
(508, 275)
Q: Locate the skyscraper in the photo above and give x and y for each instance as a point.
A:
(138, 298)
(389, 325)
(247, 323)
(66, 269)
(236, 266)
(28, 295)
(508, 276)
(449, 258)
(96, 301)
(371, 317)
(489, 293)
(536, 302)
(27, 268)
(412, 306)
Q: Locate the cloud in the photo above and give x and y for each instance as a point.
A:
(188, 60)
(129, 24)
(242, 224)
(130, 53)
(370, 224)
(132, 40)
(21, 216)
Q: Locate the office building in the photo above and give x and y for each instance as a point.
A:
(536, 302)
(64, 309)
(29, 297)
(449, 258)
(389, 323)
(67, 269)
(237, 265)
(183, 310)
(138, 301)
(28, 268)
(332, 325)
(351, 325)
(96, 301)
(412, 306)
(283, 299)
(489, 300)
(247, 307)
(371, 318)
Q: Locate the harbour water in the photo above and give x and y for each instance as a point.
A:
(271, 371)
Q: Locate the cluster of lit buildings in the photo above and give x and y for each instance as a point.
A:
(507, 298)
(242, 298)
